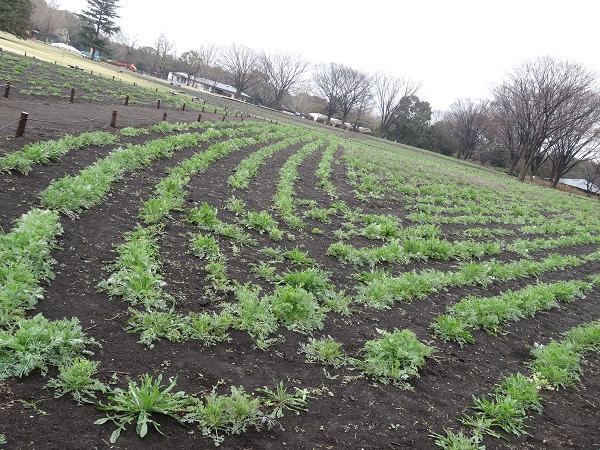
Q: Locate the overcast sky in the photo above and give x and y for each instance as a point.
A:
(454, 48)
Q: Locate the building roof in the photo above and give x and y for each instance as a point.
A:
(215, 84)
(580, 183)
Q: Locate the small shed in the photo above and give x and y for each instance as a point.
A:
(205, 84)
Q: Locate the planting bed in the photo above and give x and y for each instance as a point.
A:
(363, 187)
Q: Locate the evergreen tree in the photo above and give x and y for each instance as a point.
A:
(98, 24)
(14, 16)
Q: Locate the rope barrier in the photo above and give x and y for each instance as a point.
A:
(6, 126)
(136, 118)
(63, 122)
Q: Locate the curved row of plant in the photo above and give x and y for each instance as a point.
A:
(491, 313)
(379, 289)
(74, 194)
(556, 365)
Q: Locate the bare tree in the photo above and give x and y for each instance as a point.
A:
(592, 176)
(240, 64)
(281, 72)
(580, 139)
(45, 17)
(162, 56)
(469, 119)
(327, 80)
(388, 94)
(353, 90)
(197, 61)
(536, 102)
(127, 45)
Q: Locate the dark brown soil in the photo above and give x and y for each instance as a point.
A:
(350, 413)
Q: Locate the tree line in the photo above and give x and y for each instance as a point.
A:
(542, 118)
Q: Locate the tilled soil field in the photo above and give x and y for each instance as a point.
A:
(346, 408)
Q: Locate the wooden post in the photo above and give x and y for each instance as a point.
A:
(22, 124)
(127, 100)
(164, 116)
(223, 119)
(72, 95)
(7, 89)
(113, 78)
(203, 109)
(215, 110)
(199, 117)
(113, 119)
(91, 72)
(183, 107)
(158, 104)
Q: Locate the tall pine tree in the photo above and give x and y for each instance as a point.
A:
(98, 24)
(14, 16)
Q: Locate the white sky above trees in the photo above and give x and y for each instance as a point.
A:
(454, 48)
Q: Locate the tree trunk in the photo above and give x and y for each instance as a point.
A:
(525, 168)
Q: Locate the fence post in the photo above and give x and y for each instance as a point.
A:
(158, 104)
(199, 117)
(164, 116)
(7, 89)
(72, 95)
(127, 100)
(203, 109)
(113, 119)
(223, 119)
(22, 124)
(183, 107)
(215, 110)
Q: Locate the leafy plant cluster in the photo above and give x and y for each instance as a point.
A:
(491, 313)
(45, 151)
(381, 290)
(323, 172)
(25, 261)
(135, 274)
(34, 343)
(419, 249)
(283, 200)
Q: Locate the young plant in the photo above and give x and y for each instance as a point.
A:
(253, 314)
(394, 358)
(280, 399)
(137, 403)
(325, 351)
(37, 343)
(457, 441)
(220, 415)
(77, 379)
(297, 309)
